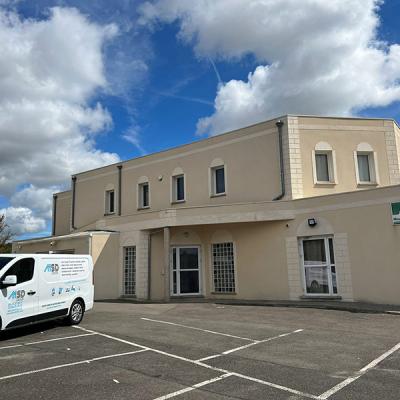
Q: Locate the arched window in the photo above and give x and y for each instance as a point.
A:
(366, 165)
(178, 186)
(143, 193)
(217, 178)
(324, 164)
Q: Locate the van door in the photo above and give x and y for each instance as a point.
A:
(22, 299)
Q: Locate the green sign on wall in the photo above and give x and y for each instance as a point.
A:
(396, 213)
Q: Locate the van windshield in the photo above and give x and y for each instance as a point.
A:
(4, 261)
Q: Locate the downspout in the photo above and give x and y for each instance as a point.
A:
(53, 229)
(119, 188)
(279, 125)
(73, 203)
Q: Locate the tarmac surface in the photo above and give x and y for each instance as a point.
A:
(205, 351)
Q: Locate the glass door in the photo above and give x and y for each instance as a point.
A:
(185, 270)
(319, 266)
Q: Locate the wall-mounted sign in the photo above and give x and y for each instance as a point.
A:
(396, 213)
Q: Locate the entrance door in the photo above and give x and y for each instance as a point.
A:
(185, 270)
(319, 266)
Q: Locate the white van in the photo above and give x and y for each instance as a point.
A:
(40, 287)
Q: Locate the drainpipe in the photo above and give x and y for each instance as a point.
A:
(53, 229)
(279, 125)
(73, 203)
(119, 188)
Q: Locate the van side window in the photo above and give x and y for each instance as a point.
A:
(23, 269)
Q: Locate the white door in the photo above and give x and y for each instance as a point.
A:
(319, 268)
(22, 299)
(185, 270)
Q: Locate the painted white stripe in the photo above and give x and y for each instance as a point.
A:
(199, 363)
(2, 378)
(249, 345)
(198, 329)
(359, 374)
(47, 340)
(190, 388)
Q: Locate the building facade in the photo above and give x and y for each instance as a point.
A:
(294, 208)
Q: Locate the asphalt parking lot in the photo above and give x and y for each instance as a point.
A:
(205, 351)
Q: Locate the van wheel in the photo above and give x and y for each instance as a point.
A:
(76, 313)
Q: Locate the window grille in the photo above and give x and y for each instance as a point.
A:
(223, 267)
(130, 271)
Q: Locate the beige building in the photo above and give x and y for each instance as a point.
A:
(293, 208)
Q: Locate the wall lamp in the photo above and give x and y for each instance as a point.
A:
(312, 222)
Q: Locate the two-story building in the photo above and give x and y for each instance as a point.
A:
(293, 208)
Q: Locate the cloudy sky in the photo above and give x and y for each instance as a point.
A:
(88, 83)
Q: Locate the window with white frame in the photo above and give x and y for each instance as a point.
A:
(130, 270)
(324, 164)
(223, 261)
(218, 180)
(144, 195)
(178, 188)
(319, 266)
(110, 202)
(365, 165)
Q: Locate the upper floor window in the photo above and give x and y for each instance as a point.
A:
(217, 178)
(144, 195)
(366, 165)
(178, 187)
(324, 164)
(110, 202)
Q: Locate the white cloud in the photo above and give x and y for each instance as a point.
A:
(50, 71)
(316, 56)
(22, 220)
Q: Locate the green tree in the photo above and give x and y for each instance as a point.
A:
(5, 236)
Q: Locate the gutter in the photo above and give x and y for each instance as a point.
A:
(279, 125)
(119, 188)
(73, 203)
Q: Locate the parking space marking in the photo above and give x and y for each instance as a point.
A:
(358, 374)
(45, 341)
(190, 388)
(2, 378)
(250, 344)
(201, 364)
(199, 329)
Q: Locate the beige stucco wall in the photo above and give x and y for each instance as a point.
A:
(79, 244)
(251, 160)
(104, 250)
(63, 213)
(343, 135)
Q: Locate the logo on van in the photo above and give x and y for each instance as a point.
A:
(17, 295)
(52, 268)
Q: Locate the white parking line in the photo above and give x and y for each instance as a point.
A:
(199, 363)
(249, 345)
(2, 378)
(45, 341)
(358, 374)
(190, 388)
(198, 329)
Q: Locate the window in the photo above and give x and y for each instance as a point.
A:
(178, 185)
(365, 165)
(4, 261)
(218, 180)
(324, 164)
(223, 267)
(23, 269)
(322, 167)
(130, 271)
(319, 266)
(144, 195)
(110, 202)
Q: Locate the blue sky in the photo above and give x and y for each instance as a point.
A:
(156, 80)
